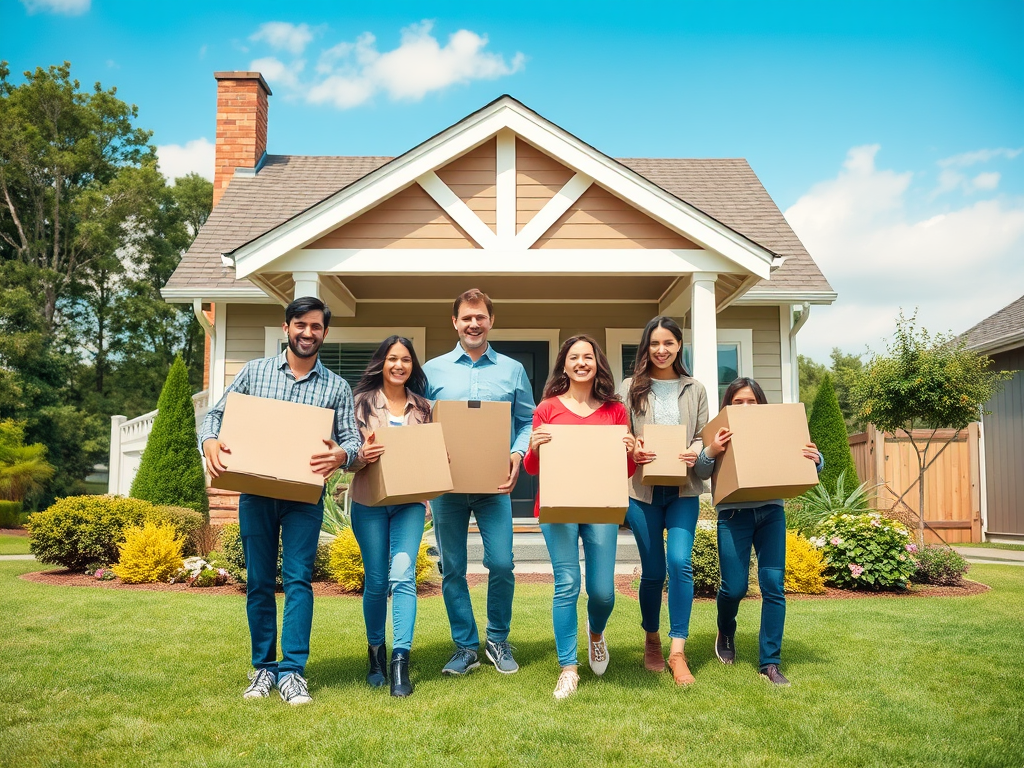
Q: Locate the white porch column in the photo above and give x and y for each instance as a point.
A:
(704, 323)
(114, 464)
(306, 284)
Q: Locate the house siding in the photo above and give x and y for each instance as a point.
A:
(1004, 449)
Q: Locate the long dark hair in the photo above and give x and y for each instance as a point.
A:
(372, 379)
(740, 383)
(640, 386)
(603, 383)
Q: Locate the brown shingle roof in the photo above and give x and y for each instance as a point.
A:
(287, 185)
(1004, 324)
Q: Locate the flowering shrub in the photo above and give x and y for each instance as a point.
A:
(149, 554)
(196, 572)
(346, 562)
(939, 564)
(805, 566)
(865, 551)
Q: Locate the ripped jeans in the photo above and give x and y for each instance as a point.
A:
(389, 539)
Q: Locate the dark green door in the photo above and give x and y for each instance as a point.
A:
(534, 357)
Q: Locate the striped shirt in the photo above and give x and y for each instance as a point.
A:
(271, 377)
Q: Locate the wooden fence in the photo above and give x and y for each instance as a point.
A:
(952, 485)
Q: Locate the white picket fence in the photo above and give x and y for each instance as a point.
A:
(128, 441)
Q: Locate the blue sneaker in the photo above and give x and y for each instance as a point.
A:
(500, 655)
(462, 662)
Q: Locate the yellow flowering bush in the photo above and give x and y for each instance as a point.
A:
(149, 554)
(805, 566)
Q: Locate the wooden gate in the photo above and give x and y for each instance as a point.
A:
(952, 485)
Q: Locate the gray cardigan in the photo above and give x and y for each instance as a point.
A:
(693, 413)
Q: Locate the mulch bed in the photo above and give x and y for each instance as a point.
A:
(13, 532)
(623, 584)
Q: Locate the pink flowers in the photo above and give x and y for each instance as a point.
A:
(875, 522)
(856, 570)
(835, 541)
(911, 547)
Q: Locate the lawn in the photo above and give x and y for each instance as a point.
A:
(13, 545)
(994, 545)
(108, 677)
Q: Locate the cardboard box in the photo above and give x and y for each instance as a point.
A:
(414, 467)
(271, 443)
(763, 460)
(668, 441)
(584, 475)
(478, 436)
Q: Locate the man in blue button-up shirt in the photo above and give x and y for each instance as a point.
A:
(296, 375)
(474, 371)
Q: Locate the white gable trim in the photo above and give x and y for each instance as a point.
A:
(452, 204)
(552, 211)
(503, 114)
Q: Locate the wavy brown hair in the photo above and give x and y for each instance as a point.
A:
(603, 383)
(640, 385)
(372, 380)
(740, 383)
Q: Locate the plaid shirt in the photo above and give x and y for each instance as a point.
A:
(271, 377)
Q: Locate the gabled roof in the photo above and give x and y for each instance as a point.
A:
(1003, 330)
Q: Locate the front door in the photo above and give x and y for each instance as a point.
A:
(534, 357)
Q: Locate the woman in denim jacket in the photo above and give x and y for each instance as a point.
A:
(758, 523)
(390, 393)
(661, 391)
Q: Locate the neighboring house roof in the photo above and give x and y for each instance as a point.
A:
(286, 185)
(1003, 330)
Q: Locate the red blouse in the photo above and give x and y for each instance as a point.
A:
(554, 411)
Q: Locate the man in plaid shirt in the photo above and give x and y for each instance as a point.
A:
(296, 375)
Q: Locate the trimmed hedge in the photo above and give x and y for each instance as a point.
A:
(828, 431)
(171, 469)
(939, 564)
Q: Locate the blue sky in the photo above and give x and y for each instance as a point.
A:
(889, 133)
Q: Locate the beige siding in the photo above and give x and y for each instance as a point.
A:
(601, 220)
(410, 219)
(473, 178)
(764, 325)
(538, 178)
(244, 337)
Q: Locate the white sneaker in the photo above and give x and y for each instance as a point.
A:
(598, 654)
(261, 682)
(568, 681)
(293, 689)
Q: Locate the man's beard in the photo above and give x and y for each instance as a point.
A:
(297, 350)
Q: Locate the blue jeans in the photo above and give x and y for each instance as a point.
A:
(263, 523)
(765, 528)
(389, 540)
(451, 527)
(599, 554)
(649, 522)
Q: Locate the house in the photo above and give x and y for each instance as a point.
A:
(1001, 337)
(564, 238)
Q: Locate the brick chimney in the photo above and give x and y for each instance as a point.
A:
(241, 125)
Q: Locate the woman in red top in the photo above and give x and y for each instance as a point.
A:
(580, 391)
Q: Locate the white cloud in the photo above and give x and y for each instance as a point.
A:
(197, 156)
(986, 180)
(979, 156)
(284, 36)
(351, 73)
(958, 266)
(62, 7)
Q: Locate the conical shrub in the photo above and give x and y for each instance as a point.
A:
(828, 431)
(171, 469)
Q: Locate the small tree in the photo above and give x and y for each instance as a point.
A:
(171, 470)
(23, 468)
(925, 382)
(828, 431)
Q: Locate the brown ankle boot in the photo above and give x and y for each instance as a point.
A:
(680, 671)
(654, 659)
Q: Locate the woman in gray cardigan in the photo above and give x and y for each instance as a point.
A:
(661, 391)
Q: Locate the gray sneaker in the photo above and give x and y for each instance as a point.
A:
(462, 662)
(294, 690)
(500, 655)
(261, 683)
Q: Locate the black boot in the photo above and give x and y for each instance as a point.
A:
(378, 674)
(401, 684)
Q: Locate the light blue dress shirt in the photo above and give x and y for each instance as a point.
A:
(454, 376)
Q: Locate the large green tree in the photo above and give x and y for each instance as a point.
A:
(828, 431)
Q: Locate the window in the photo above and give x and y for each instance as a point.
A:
(728, 362)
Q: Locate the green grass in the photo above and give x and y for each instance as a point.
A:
(13, 545)
(107, 677)
(993, 545)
